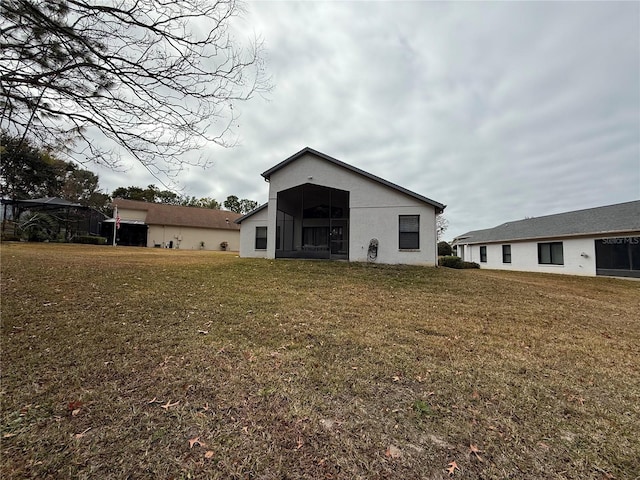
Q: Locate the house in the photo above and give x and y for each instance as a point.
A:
(595, 241)
(320, 207)
(148, 224)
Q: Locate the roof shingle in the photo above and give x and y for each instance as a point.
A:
(162, 214)
(611, 219)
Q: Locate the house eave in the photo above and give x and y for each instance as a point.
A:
(439, 207)
(600, 234)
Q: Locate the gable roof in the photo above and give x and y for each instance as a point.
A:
(162, 214)
(611, 219)
(439, 206)
(252, 212)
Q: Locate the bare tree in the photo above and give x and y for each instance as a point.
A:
(157, 78)
(441, 225)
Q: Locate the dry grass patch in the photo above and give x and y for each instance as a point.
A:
(144, 363)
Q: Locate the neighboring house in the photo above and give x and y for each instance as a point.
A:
(159, 225)
(596, 241)
(320, 207)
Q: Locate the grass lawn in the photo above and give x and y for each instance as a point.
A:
(151, 363)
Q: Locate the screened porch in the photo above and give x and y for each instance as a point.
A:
(312, 221)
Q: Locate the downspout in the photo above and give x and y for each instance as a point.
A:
(435, 229)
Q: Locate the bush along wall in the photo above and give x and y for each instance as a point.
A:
(451, 261)
(91, 240)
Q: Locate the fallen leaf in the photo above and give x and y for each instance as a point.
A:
(393, 452)
(395, 378)
(476, 451)
(81, 434)
(209, 454)
(168, 405)
(195, 441)
(75, 412)
(452, 467)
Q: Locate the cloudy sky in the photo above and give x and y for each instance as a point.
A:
(500, 110)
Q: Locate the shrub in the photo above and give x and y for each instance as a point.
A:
(470, 265)
(444, 249)
(450, 261)
(89, 239)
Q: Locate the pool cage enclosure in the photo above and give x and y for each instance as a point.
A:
(49, 219)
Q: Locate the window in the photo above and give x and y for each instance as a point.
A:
(550, 253)
(409, 228)
(261, 238)
(483, 254)
(506, 253)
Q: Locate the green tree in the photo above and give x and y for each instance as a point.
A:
(130, 193)
(204, 202)
(82, 186)
(142, 76)
(444, 249)
(247, 205)
(168, 197)
(27, 171)
(234, 204)
(154, 195)
(150, 194)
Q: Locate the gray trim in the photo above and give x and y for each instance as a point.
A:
(608, 272)
(439, 206)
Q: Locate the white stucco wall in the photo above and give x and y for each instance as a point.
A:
(129, 214)
(248, 235)
(374, 210)
(189, 238)
(524, 256)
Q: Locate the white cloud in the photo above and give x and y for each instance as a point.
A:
(499, 110)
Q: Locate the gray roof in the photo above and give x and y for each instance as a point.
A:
(439, 206)
(44, 201)
(611, 219)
